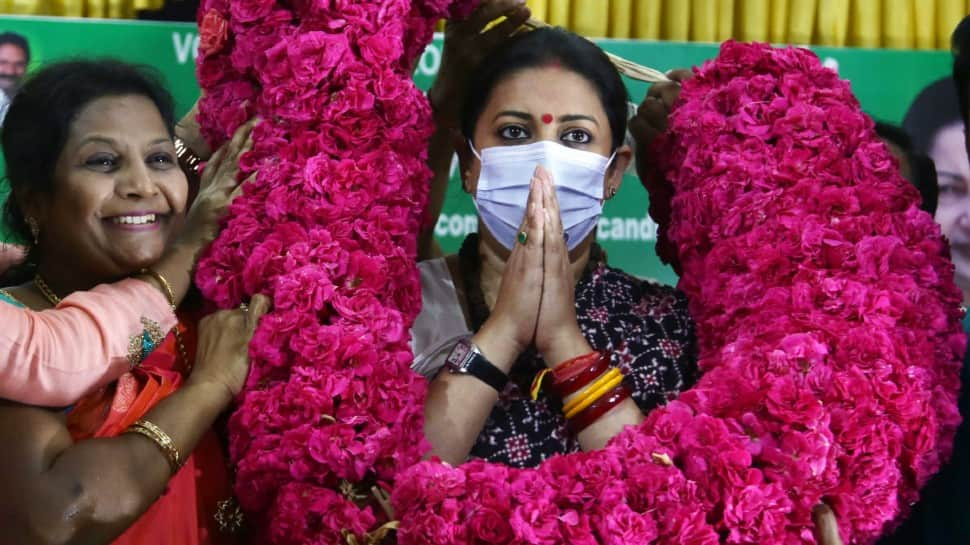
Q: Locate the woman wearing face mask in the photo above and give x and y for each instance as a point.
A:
(530, 303)
(91, 160)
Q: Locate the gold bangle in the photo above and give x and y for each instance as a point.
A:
(161, 439)
(170, 294)
(166, 287)
(604, 378)
(590, 399)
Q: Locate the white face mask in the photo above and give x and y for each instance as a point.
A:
(503, 187)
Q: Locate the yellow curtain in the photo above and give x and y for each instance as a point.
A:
(725, 22)
(867, 23)
(897, 24)
(621, 17)
(646, 19)
(712, 20)
(591, 18)
(113, 9)
(920, 24)
(924, 24)
(778, 29)
(948, 13)
(558, 12)
(833, 22)
(540, 9)
(28, 7)
(704, 26)
(753, 23)
(675, 20)
(801, 21)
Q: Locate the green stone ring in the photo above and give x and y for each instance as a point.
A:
(523, 237)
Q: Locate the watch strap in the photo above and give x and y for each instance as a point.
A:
(484, 370)
(467, 359)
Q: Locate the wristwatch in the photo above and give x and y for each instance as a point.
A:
(466, 359)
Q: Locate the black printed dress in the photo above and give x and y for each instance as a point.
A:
(645, 325)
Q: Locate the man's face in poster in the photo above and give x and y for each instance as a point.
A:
(13, 66)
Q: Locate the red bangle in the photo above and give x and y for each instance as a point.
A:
(602, 406)
(581, 379)
(570, 368)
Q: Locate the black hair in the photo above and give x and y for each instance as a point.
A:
(960, 45)
(12, 38)
(922, 170)
(935, 107)
(895, 134)
(542, 47)
(41, 113)
(924, 178)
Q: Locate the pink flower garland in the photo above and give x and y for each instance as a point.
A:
(829, 330)
(328, 229)
(825, 308)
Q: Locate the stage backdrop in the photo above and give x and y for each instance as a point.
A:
(885, 81)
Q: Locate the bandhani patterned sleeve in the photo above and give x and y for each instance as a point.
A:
(647, 327)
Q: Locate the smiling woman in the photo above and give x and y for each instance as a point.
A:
(98, 188)
(104, 160)
(119, 198)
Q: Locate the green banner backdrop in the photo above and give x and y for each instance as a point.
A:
(885, 81)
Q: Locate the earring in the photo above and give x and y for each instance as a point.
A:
(34, 229)
(612, 192)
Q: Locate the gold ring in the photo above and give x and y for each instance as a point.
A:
(523, 237)
(244, 307)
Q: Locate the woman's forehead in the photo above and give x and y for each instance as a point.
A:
(133, 116)
(546, 90)
(949, 149)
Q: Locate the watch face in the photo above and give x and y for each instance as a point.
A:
(458, 355)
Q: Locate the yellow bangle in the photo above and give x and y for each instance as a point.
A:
(604, 378)
(590, 399)
(161, 439)
(166, 287)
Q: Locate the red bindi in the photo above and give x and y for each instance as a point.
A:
(547, 118)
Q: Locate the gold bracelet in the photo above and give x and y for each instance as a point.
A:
(186, 155)
(166, 287)
(161, 439)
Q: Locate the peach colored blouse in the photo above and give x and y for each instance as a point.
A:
(54, 357)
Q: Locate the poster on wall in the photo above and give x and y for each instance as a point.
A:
(885, 81)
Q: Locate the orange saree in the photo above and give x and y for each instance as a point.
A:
(185, 513)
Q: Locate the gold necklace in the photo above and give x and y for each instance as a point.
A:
(46, 291)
